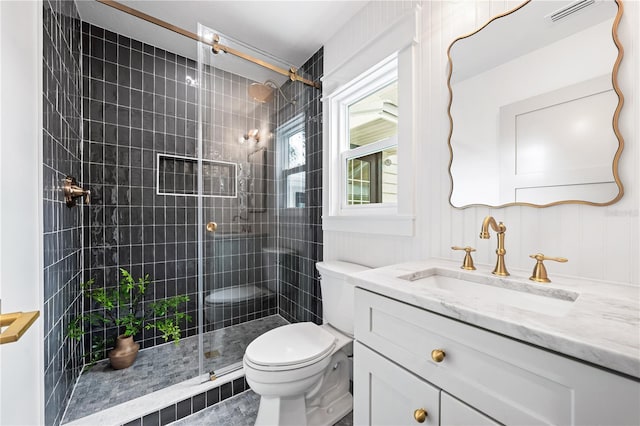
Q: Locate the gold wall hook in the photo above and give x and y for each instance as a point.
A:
(539, 270)
(212, 227)
(467, 263)
(72, 191)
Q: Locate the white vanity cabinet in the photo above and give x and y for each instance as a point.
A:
(387, 394)
(456, 413)
(484, 377)
(395, 393)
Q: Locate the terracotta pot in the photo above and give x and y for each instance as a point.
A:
(125, 352)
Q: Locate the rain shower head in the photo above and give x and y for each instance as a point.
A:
(263, 92)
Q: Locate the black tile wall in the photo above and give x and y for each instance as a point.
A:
(138, 102)
(62, 136)
(178, 175)
(133, 101)
(300, 229)
(141, 101)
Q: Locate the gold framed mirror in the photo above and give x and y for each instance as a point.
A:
(534, 106)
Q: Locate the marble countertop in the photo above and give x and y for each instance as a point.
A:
(594, 321)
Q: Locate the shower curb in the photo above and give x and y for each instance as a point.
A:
(170, 404)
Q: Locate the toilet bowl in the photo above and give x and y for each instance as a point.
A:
(223, 304)
(301, 370)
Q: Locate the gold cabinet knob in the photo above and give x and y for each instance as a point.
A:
(437, 355)
(212, 226)
(420, 415)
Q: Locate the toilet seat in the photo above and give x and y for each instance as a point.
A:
(290, 347)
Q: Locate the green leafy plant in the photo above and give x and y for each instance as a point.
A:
(122, 307)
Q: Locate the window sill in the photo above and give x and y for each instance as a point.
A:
(397, 225)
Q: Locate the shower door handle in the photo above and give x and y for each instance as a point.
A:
(212, 226)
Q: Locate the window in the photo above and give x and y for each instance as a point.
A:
(371, 148)
(369, 135)
(373, 178)
(293, 159)
(368, 140)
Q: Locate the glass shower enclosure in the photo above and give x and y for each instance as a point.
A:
(236, 211)
(190, 194)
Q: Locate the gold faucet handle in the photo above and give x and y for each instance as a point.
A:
(467, 263)
(539, 271)
(71, 191)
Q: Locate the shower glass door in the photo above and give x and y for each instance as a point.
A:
(236, 283)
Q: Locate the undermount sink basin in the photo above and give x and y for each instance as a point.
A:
(495, 292)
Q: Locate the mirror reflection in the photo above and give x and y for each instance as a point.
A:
(534, 105)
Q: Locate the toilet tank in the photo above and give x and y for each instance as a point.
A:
(338, 293)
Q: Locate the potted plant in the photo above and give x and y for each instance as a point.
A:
(122, 307)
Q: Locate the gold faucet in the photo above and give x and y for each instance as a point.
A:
(71, 191)
(500, 229)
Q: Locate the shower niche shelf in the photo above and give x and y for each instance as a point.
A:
(178, 176)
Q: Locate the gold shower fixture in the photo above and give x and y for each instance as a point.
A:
(252, 135)
(260, 92)
(263, 92)
(72, 191)
(216, 47)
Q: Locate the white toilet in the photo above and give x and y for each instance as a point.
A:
(301, 371)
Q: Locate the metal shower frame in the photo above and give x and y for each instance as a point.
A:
(216, 47)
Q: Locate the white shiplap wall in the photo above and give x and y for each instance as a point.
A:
(600, 242)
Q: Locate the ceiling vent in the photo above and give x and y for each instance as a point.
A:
(570, 9)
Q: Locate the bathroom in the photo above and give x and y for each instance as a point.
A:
(601, 242)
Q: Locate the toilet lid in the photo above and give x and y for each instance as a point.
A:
(290, 345)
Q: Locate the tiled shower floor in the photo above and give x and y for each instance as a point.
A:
(156, 368)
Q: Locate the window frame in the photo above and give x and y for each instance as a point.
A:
(293, 126)
(378, 77)
(341, 87)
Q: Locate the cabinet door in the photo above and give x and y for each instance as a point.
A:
(456, 413)
(386, 394)
(512, 382)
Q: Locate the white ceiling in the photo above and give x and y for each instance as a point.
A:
(290, 31)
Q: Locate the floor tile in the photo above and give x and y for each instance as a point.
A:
(155, 368)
